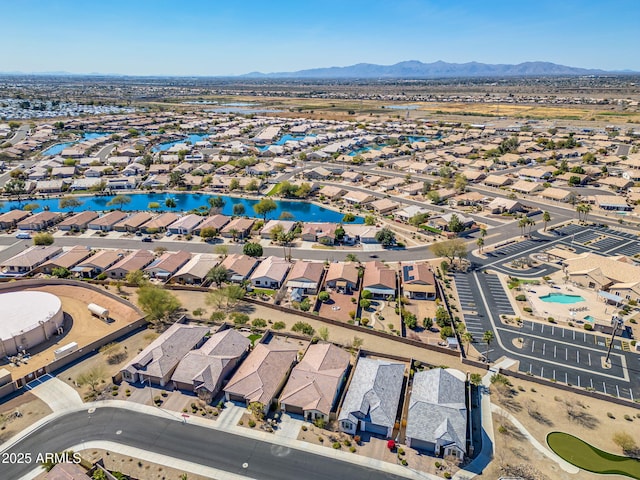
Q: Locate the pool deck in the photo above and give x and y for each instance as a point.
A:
(564, 312)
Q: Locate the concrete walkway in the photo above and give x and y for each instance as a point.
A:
(55, 393)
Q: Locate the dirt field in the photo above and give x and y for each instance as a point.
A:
(542, 410)
(28, 405)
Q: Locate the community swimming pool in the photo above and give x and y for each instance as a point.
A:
(561, 298)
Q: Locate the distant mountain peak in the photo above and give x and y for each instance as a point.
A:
(437, 69)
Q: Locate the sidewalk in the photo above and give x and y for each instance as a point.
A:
(55, 393)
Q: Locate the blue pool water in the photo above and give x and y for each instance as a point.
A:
(561, 298)
(302, 211)
(589, 318)
(57, 149)
(365, 149)
(193, 138)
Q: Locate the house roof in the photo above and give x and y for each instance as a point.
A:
(376, 274)
(374, 392)
(136, 260)
(617, 269)
(437, 410)
(418, 274)
(313, 383)
(170, 261)
(165, 352)
(70, 258)
(32, 257)
(80, 218)
(103, 259)
(238, 264)
(205, 365)
(304, 271)
(110, 218)
(342, 271)
(214, 221)
(260, 375)
(275, 268)
(161, 221)
(198, 266)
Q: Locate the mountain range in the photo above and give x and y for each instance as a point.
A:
(439, 69)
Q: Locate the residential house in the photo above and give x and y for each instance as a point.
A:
(526, 186)
(27, 260)
(384, 206)
(136, 260)
(167, 264)
(217, 222)
(497, 181)
(332, 192)
(379, 279)
(159, 223)
(40, 221)
(314, 384)
(238, 228)
(67, 260)
(239, 266)
(443, 221)
(10, 219)
(359, 233)
(324, 233)
(195, 271)
(536, 174)
(418, 281)
(287, 227)
(98, 263)
(270, 273)
(357, 197)
(186, 224)
(437, 416)
(557, 194)
(262, 374)
(342, 277)
(133, 223)
(504, 205)
(108, 221)
(372, 400)
(612, 202)
(599, 272)
(204, 369)
(306, 276)
(78, 222)
(157, 362)
(351, 176)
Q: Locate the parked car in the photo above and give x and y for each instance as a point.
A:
(147, 239)
(23, 235)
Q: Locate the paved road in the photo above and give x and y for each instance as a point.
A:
(104, 152)
(213, 448)
(21, 134)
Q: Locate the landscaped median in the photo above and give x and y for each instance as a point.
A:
(590, 458)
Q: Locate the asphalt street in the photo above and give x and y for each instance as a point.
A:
(213, 448)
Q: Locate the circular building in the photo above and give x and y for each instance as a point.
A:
(27, 319)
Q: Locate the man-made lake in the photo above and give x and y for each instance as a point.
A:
(193, 138)
(302, 211)
(284, 139)
(57, 149)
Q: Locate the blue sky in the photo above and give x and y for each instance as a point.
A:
(199, 37)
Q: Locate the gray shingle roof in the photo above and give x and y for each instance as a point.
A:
(374, 392)
(437, 411)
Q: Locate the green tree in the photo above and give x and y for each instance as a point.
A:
(207, 233)
(252, 249)
(238, 209)
(386, 237)
(219, 275)
(480, 243)
(153, 206)
(427, 323)
(159, 304)
(264, 207)
(366, 294)
(370, 220)
(460, 183)
(546, 218)
(176, 179)
(120, 201)
(450, 249)
(170, 203)
(216, 203)
(69, 202)
(365, 303)
(305, 304)
(487, 337)
(455, 225)
(323, 333)
(61, 272)
(286, 216)
(43, 239)
(324, 296)
(279, 325)
(92, 377)
(30, 207)
(136, 278)
(15, 186)
(303, 327)
(259, 323)
(234, 184)
(475, 379)
(348, 218)
(351, 257)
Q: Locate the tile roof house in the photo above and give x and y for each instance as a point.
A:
(67, 259)
(342, 277)
(372, 400)
(306, 276)
(239, 266)
(418, 281)
(107, 222)
(98, 263)
(314, 383)
(203, 370)
(185, 224)
(270, 273)
(78, 222)
(214, 221)
(157, 362)
(136, 260)
(27, 260)
(133, 223)
(262, 374)
(379, 279)
(195, 271)
(159, 223)
(167, 264)
(241, 226)
(40, 221)
(437, 417)
(287, 226)
(11, 218)
(324, 233)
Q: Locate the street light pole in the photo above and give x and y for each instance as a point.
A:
(616, 322)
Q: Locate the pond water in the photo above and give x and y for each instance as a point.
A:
(193, 138)
(302, 211)
(58, 148)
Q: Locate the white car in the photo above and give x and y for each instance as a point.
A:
(23, 235)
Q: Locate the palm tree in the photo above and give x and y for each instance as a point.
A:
(487, 337)
(483, 232)
(234, 233)
(587, 209)
(546, 218)
(480, 243)
(530, 224)
(467, 338)
(286, 239)
(522, 223)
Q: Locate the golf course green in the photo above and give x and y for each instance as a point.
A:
(590, 458)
